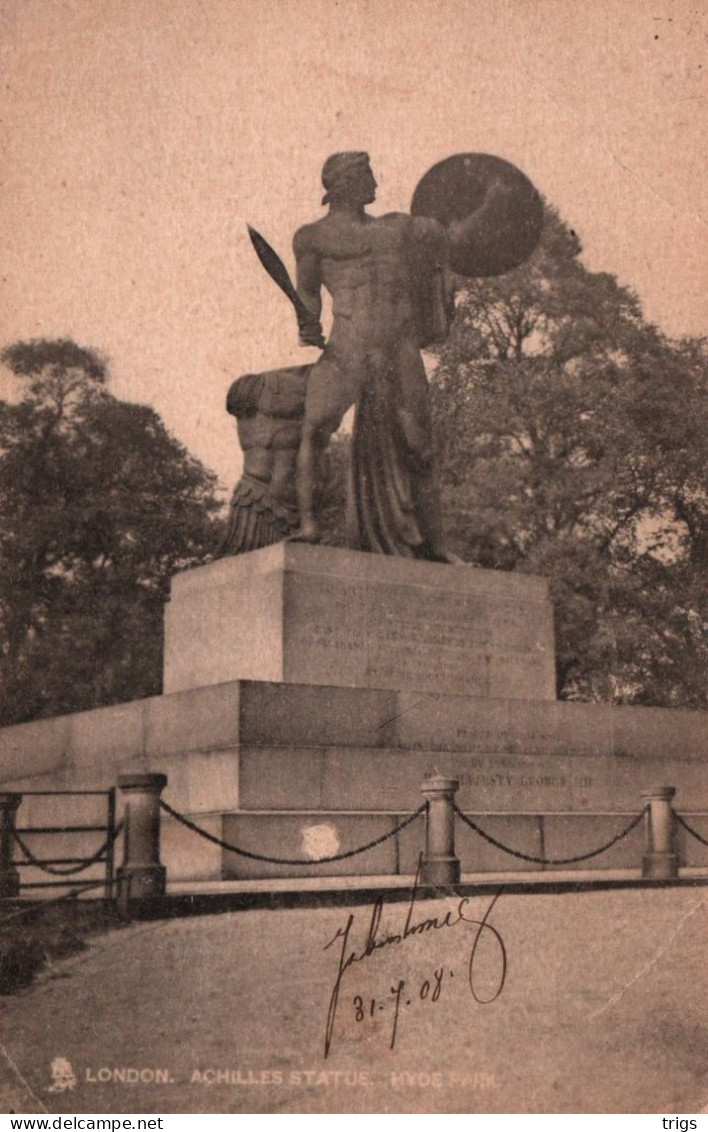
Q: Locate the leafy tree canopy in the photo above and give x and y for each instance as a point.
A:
(99, 505)
(572, 444)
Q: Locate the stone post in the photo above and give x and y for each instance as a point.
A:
(440, 866)
(9, 874)
(660, 860)
(141, 876)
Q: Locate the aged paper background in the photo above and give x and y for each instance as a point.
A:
(138, 139)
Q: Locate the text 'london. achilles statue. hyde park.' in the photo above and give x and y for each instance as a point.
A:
(391, 280)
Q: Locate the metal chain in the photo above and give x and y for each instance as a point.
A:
(289, 860)
(550, 860)
(690, 829)
(74, 868)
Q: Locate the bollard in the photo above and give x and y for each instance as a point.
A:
(9, 874)
(440, 866)
(141, 876)
(660, 860)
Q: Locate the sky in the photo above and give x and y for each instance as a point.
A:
(139, 137)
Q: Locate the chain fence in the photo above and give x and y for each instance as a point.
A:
(550, 860)
(689, 829)
(74, 870)
(290, 860)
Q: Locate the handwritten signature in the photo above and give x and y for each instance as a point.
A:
(430, 989)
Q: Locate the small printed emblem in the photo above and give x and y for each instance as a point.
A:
(63, 1076)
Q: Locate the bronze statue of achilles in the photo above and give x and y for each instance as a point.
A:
(391, 284)
(376, 271)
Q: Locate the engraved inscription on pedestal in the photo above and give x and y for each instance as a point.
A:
(395, 636)
(515, 783)
(314, 615)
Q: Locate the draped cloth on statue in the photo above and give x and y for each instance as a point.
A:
(387, 496)
(393, 504)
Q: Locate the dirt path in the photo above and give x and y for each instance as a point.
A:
(603, 1010)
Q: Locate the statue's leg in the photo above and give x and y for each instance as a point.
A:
(308, 465)
(326, 403)
(416, 420)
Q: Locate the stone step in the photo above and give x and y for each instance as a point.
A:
(262, 745)
(265, 714)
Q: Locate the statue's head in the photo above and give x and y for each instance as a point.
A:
(348, 177)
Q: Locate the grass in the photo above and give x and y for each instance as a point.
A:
(35, 935)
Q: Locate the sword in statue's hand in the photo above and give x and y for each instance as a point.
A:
(308, 323)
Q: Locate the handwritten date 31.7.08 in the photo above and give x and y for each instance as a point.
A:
(428, 991)
(403, 994)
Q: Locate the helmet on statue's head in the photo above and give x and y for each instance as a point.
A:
(348, 176)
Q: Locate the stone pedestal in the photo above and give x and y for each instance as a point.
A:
(310, 691)
(302, 614)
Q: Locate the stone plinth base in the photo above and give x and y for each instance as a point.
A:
(276, 766)
(302, 614)
(259, 746)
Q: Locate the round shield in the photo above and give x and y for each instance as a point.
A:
(493, 213)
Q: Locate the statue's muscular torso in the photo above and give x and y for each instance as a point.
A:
(366, 265)
(363, 264)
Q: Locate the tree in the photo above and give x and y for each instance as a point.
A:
(99, 505)
(571, 437)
